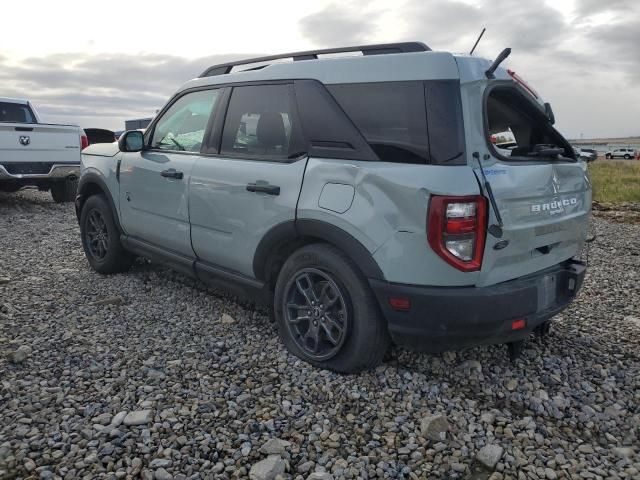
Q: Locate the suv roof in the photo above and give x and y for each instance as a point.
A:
(378, 49)
(378, 63)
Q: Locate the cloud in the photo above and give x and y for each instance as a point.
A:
(339, 25)
(100, 90)
(592, 7)
(585, 60)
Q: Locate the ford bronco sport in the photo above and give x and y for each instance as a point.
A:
(361, 193)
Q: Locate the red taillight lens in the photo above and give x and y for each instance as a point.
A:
(84, 142)
(456, 230)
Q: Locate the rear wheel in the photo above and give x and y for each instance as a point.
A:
(65, 190)
(627, 157)
(326, 313)
(101, 238)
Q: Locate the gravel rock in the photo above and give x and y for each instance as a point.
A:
(139, 417)
(434, 427)
(162, 474)
(320, 476)
(21, 354)
(275, 446)
(227, 319)
(268, 468)
(490, 455)
(569, 405)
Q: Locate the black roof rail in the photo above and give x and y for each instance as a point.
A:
(379, 49)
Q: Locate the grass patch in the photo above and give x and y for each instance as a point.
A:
(615, 180)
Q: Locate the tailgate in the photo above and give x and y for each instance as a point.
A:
(39, 143)
(545, 212)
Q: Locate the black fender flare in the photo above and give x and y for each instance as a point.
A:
(292, 230)
(85, 189)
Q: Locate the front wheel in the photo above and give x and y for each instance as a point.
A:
(64, 190)
(627, 157)
(326, 312)
(607, 156)
(101, 238)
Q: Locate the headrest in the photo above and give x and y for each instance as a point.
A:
(270, 129)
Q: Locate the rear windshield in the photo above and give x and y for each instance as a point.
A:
(406, 122)
(518, 129)
(16, 113)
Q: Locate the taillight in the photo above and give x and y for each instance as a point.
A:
(456, 229)
(84, 141)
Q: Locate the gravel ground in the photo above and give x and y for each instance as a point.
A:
(150, 375)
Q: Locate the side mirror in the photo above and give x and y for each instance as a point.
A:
(131, 141)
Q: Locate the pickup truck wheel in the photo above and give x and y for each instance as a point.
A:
(64, 191)
(607, 156)
(10, 187)
(627, 157)
(101, 238)
(326, 313)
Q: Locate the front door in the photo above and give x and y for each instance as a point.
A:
(254, 182)
(154, 183)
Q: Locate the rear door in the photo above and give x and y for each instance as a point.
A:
(154, 183)
(544, 200)
(251, 181)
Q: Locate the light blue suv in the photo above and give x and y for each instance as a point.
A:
(359, 194)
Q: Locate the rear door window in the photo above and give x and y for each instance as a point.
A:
(16, 113)
(262, 122)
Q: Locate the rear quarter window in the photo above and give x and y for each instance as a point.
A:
(407, 122)
(391, 117)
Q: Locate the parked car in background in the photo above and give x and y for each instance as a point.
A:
(351, 195)
(38, 154)
(626, 153)
(586, 154)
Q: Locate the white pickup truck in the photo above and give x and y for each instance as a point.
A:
(38, 154)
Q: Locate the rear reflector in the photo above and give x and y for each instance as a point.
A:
(518, 324)
(400, 303)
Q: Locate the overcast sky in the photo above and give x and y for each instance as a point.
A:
(97, 64)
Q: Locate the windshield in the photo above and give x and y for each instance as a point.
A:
(16, 113)
(519, 130)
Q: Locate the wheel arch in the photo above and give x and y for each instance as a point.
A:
(283, 239)
(93, 184)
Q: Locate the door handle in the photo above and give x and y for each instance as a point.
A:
(172, 173)
(263, 188)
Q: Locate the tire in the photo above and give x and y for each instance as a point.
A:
(64, 191)
(10, 187)
(101, 237)
(607, 156)
(350, 333)
(627, 157)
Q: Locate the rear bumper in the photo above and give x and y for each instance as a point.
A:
(448, 318)
(55, 172)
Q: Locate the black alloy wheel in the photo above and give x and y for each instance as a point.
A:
(316, 313)
(96, 235)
